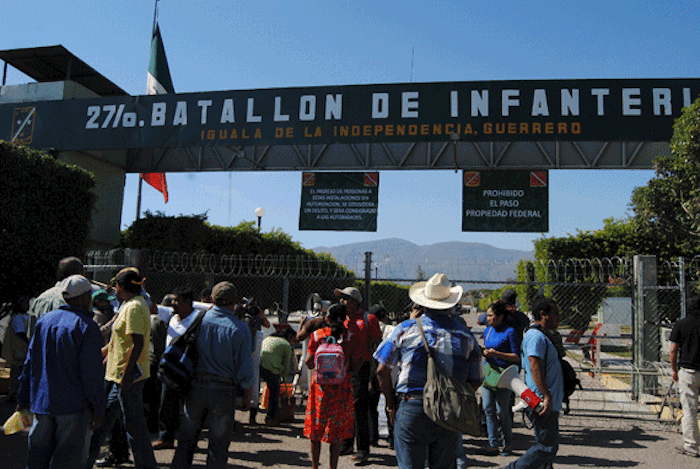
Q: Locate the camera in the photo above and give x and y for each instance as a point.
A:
(247, 309)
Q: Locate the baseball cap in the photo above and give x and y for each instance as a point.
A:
(75, 286)
(349, 293)
(102, 295)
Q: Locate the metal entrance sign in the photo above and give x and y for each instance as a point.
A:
(494, 111)
(339, 201)
(511, 201)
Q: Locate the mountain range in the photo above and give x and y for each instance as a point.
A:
(398, 259)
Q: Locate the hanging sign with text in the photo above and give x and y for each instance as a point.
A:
(510, 201)
(339, 201)
(479, 111)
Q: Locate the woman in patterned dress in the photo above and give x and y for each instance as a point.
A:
(329, 409)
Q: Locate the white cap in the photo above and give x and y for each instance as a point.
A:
(75, 286)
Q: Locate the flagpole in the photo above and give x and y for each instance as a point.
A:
(138, 199)
(155, 18)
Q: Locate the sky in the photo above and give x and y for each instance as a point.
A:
(220, 45)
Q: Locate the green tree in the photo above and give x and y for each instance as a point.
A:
(193, 234)
(46, 212)
(667, 209)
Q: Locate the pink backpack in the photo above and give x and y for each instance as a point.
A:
(329, 362)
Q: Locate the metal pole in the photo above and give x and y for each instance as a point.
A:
(155, 16)
(683, 286)
(138, 199)
(368, 278)
(285, 294)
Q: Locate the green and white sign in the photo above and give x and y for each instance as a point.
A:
(510, 201)
(339, 201)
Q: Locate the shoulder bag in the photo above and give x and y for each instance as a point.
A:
(448, 402)
(491, 372)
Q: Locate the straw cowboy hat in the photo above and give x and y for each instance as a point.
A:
(436, 293)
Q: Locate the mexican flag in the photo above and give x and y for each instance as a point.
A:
(159, 82)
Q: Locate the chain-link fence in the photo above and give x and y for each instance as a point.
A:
(617, 342)
(615, 315)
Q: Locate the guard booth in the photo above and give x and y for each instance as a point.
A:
(60, 75)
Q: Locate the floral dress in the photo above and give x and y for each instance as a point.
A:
(329, 408)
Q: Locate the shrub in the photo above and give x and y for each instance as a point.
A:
(46, 213)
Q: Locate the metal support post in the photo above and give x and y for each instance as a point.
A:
(368, 279)
(285, 294)
(646, 334)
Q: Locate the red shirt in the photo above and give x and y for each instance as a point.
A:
(357, 332)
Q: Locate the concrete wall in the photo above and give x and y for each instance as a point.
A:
(109, 187)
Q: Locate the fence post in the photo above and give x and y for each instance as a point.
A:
(368, 279)
(646, 331)
(683, 286)
(136, 258)
(285, 294)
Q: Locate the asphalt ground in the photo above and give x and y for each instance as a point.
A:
(601, 431)
(585, 442)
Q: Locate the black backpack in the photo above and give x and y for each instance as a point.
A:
(571, 381)
(177, 365)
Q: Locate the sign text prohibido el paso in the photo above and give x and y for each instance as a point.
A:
(339, 201)
(511, 201)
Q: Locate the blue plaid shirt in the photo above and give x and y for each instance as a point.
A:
(455, 349)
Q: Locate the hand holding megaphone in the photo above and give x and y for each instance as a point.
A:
(510, 379)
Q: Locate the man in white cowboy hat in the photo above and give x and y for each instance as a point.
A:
(456, 352)
(363, 328)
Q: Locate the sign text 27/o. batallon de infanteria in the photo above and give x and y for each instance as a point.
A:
(592, 110)
(510, 201)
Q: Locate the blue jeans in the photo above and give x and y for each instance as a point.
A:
(59, 440)
(129, 406)
(417, 437)
(497, 409)
(542, 453)
(273, 387)
(215, 400)
(461, 456)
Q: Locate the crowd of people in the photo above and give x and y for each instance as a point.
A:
(90, 373)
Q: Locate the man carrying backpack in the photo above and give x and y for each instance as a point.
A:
(223, 361)
(543, 374)
(171, 399)
(455, 351)
(363, 333)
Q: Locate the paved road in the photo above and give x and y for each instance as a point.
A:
(587, 442)
(600, 432)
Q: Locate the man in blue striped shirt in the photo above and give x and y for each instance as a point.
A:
(456, 352)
